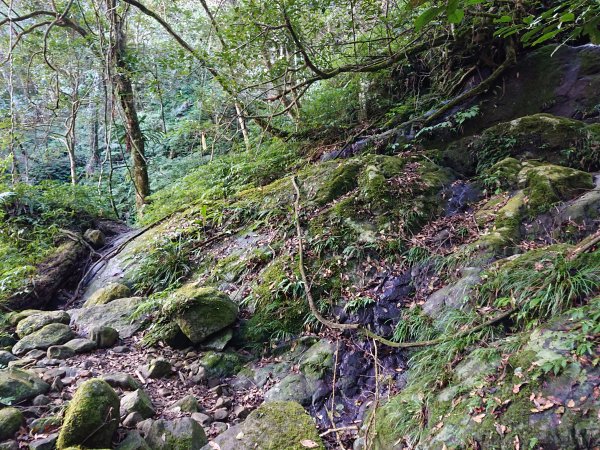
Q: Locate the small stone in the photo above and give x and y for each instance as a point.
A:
(241, 411)
(188, 404)
(132, 419)
(223, 402)
(39, 320)
(133, 441)
(220, 414)
(137, 401)
(159, 368)
(183, 433)
(81, 345)
(95, 238)
(203, 419)
(48, 443)
(34, 354)
(57, 385)
(41, 400)
(68, 380)
(5, 358)
(45, 425)
(49, 335)
(88, 364)
(218, 427)
(60, 352)
(103, 336)
(121, 380)
(11, 420)
(121, 349)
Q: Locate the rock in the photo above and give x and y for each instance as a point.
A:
(219, 427)
(220, 414)
(121, 380)
(39, 320)
(137, 401)
(41, 400)
(11, 420)
(45, 425)
(18, 385)
(241, 411)
(103, 336)
(223, 402)
(7, 341)
(95, 238)
(276, 425)
(189, 404)
(34, 355)
(9, 445)
(220, 365)
(133, 441)
(92, 416)
(52, 334)
(5, 358)
(318, 359)
(178, 434)
(293, 387)
(60, 352)
(113, 291)
(81, 345)
(116, 314)
(48, 443)
(200, 312)
(158, 368)
(132, 419)
(453, 296)
(203, 419)
(219, 340)
(121, 349)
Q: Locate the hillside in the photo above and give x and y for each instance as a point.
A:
(429, 279)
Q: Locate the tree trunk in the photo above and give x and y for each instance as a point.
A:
(94, 160)
(134, 139)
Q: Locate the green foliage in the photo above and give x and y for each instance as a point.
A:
(414, 325)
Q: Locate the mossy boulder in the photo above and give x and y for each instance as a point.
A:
(92, 417)
(49, 335)
(201, 311)
(39, 320)
(11, 420)
(272, 426)
(178, 434)
(18, 385)
(107, 294)
(137, 401)
(221, 364)
(116, 314)
(343, 179)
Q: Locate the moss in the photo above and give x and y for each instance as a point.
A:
(342, 180)
(510, 216)
(221, 365)
(92, 416)
(112, 291)
(10, 422)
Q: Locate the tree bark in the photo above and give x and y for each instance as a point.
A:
(121, 80)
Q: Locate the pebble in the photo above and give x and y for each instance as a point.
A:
(48, 443)
(220, 414)
(241, 411)
(203, 419)
(132, 419)
(219, 427)
(223, 402)
(41, 400)
(121, 349)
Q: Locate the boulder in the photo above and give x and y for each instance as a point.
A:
(5, 358)
(294, 387)
(137, 401)
(81, 345)
(39, 320)
(92, 416)
(121, 380)
(158, 368)
(116, 314)
(103, 336)
(18, 385)
(133, 441)
(113, 291)
(275, 425)
(11, 420)
(95, 238)
(49, 335)
(60, 352)
(178, 434)
(189, 404)
(200, 312)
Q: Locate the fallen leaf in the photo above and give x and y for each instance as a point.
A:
(240, 436)
(478, 418)
(571, 404)
(501, 429)
(517, 388)
(308, 443)
(517, 442)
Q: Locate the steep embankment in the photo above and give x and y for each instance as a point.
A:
(481, 240)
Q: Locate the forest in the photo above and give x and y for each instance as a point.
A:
(299, 224)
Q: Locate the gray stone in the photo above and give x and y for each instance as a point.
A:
(39, 320)
(219, 427)
(44, 425)
(52, 334)
(60, 352)
(453, 296)
(218, 341)
(189, 404)
(158, 368)
(137, 401)
(95, 238)
(81, 345)
(293, 387)
(48, 443)
(35, 354)
(183, 433)
(18, 385)
(11, 420)
(116, 314)
(203, 419)
(241, 411)
(107, 294)
(132, 419)
(133, 441)
(103, 336)
(220, 414)
(121, 380)
(9, 445)
(41, 400)
(5, 358)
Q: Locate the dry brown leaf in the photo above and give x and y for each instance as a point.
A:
(478, 418)
(308, 443)
(571, 404)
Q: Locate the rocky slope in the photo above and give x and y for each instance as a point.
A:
(196, 332)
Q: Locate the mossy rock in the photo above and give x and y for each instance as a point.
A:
(342, 180)
(272, 426)
(11, 420)
(221, 365)
(18, 385)
(39, 320)
(112, 291)
(177, 434)
(200, 311)
(49, 335)
(92, 417)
